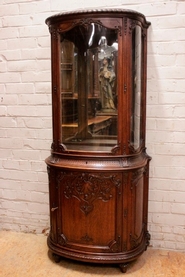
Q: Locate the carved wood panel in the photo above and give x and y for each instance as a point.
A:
(88, 200)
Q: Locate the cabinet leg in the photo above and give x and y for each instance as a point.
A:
(123, 267)
(56, 258)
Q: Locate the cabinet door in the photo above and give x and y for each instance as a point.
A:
(89, 85)
(88, 204)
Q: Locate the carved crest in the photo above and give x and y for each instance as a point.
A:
(86, 22)
(88, 188)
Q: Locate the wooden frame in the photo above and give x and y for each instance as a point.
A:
(98, 190)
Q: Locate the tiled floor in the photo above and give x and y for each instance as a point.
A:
(27, 255)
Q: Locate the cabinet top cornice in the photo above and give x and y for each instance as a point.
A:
(57, 18)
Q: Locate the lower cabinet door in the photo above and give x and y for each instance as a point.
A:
(89, 211)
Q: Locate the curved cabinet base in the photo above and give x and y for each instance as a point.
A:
(122, 259)
(99, 215)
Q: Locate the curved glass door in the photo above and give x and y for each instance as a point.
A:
(89, 88)
(136, 115)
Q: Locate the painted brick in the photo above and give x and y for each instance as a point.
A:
(43, 53)
(162, 207)
(168, 48)
(165, 86)
(179, 208)
(169, 172)
(8, 77)
(35, 207)
(43, 65)
(171, 124)
(17, 88)
(35, 7)
(35, 144)
(3, 44)
(18, 174)
(43, 41)
(33, 31)
(16, 164)
(171, 37)
(180, 246)
(9, 99)
(3, 110)
(23, 195)
(160, 136)
(8, 10)
(38, 166)
(27, 155)
(9, 194)
(176, 72)
(6, 122)
(169, 219)
(15, 143)
(170, 161)
(3, 66)
(168, 149)
(180, 7)
(11, 32)
(39, 197)
(169, 22)
(43, 87)
(33, 122)
(21, 133)
(162, 60)
(172, 98)
(158, 236)
(28, 54)
(172, 237)
(180, 60)
(179, 112)
(17, 21)
(37, 76)
(14, 205)
(159, 184)
(29, 111)
(23, 43)
(179, 230)
(158, 8)
(170, 245)
(161, 111)
(167, 229)
(28, 99)
(19, 66)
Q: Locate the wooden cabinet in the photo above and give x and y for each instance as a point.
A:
(98, 169)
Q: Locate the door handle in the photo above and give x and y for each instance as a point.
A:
(53, 209)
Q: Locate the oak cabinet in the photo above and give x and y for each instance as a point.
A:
(98, 169)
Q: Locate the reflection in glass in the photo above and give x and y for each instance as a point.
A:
(89, 88)
(136, 91)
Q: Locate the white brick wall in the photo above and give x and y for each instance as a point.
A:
(25, 109)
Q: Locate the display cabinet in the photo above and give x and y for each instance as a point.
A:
(98, 169)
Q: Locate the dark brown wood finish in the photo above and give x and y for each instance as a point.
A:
(98, 194)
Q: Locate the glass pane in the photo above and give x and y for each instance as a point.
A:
(89, 88)
(136, 91)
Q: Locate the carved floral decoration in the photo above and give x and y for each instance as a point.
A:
(88, 188)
